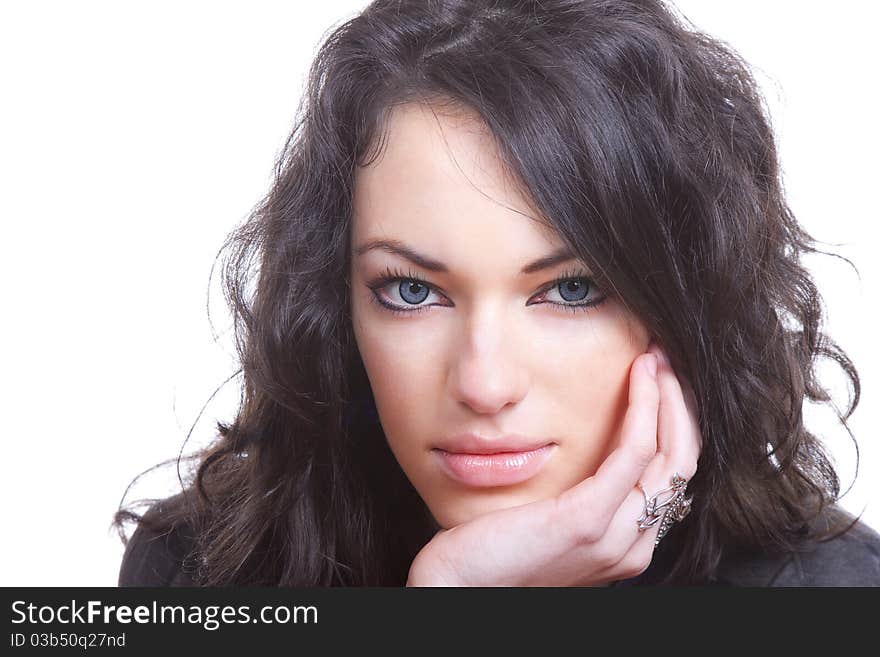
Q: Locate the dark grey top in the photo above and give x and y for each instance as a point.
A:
(851, 559)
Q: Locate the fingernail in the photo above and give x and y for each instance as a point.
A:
(651, 365)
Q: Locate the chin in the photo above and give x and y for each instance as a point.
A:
(470, 505)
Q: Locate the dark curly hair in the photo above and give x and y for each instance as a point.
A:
(648, 148)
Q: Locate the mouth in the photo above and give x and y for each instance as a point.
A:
(494, 469)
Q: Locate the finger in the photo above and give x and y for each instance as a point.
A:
(678, 440)
(641, 551)
(621, 470)
(691, 402)
(678, 443)
(678, 429)
(684, 389)
(628, 551)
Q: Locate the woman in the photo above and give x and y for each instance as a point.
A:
(528, 310)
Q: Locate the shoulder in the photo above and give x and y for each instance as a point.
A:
(848, 558)
(157, 552)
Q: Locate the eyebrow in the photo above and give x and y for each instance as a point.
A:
(397, 247)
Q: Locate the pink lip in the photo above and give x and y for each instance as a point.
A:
(472, 443)
(498, 469)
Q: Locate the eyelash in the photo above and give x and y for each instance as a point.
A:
(390, 275)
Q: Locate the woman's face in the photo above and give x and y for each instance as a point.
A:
(482, 344)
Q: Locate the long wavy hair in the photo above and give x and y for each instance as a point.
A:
(647, 146)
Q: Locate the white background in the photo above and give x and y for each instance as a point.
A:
(135, 136)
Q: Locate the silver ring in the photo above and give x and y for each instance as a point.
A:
(672, 509)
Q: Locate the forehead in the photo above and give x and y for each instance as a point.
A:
(440, 183)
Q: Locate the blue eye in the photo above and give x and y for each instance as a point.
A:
(413, 291)
(573, 288)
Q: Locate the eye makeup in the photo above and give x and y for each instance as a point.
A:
(393, 275)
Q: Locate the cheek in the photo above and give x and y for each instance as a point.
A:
(402, 376)
(589, 375)
(402, 383)
(402, 371)
(590, 385)
(596, 402)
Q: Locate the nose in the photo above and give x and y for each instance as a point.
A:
(488, 371)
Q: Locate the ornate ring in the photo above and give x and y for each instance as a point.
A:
(672, 509)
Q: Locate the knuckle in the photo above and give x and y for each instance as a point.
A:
(588, 533)
(606, 556)
(642, 452)
(636, 562)
(578, 528)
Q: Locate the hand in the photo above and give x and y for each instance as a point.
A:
(588, 535)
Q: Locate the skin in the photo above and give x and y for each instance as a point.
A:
(490, 353)
(586, 535)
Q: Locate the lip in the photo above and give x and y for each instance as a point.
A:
(494, 469)
(471, 443)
